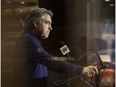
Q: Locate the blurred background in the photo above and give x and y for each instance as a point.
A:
(81, 24)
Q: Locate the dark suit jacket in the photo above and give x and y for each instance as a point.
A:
(31, 61)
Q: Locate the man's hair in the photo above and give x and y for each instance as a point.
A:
(33, 15)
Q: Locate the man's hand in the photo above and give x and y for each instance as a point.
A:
(89, 71)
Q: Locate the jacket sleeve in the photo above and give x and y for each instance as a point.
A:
(43, 57)
(59, 66)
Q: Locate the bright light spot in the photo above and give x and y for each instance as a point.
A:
(107, 0)
(20, 11)
(22, 2)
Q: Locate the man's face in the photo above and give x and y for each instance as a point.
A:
(43, 26)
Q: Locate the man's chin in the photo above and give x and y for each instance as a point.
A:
(44, 37)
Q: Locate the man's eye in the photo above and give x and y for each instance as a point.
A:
(47, 22)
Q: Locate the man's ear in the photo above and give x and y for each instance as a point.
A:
(35, 24)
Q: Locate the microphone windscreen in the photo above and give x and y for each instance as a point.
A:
(61, 44)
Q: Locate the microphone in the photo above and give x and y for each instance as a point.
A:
(64, 49)
(102, 67)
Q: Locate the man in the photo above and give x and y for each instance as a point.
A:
(32, 62)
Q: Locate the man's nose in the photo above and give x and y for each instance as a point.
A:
(50, 27)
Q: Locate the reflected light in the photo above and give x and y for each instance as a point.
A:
(22, 2)
(8, 2)
(111, 4)
(20, 11)
(107, 0)
(8, 10)
(105, 58)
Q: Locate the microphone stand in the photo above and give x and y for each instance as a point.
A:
(79, 76)
(86, 82)
(97, 76)
(97, 80)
